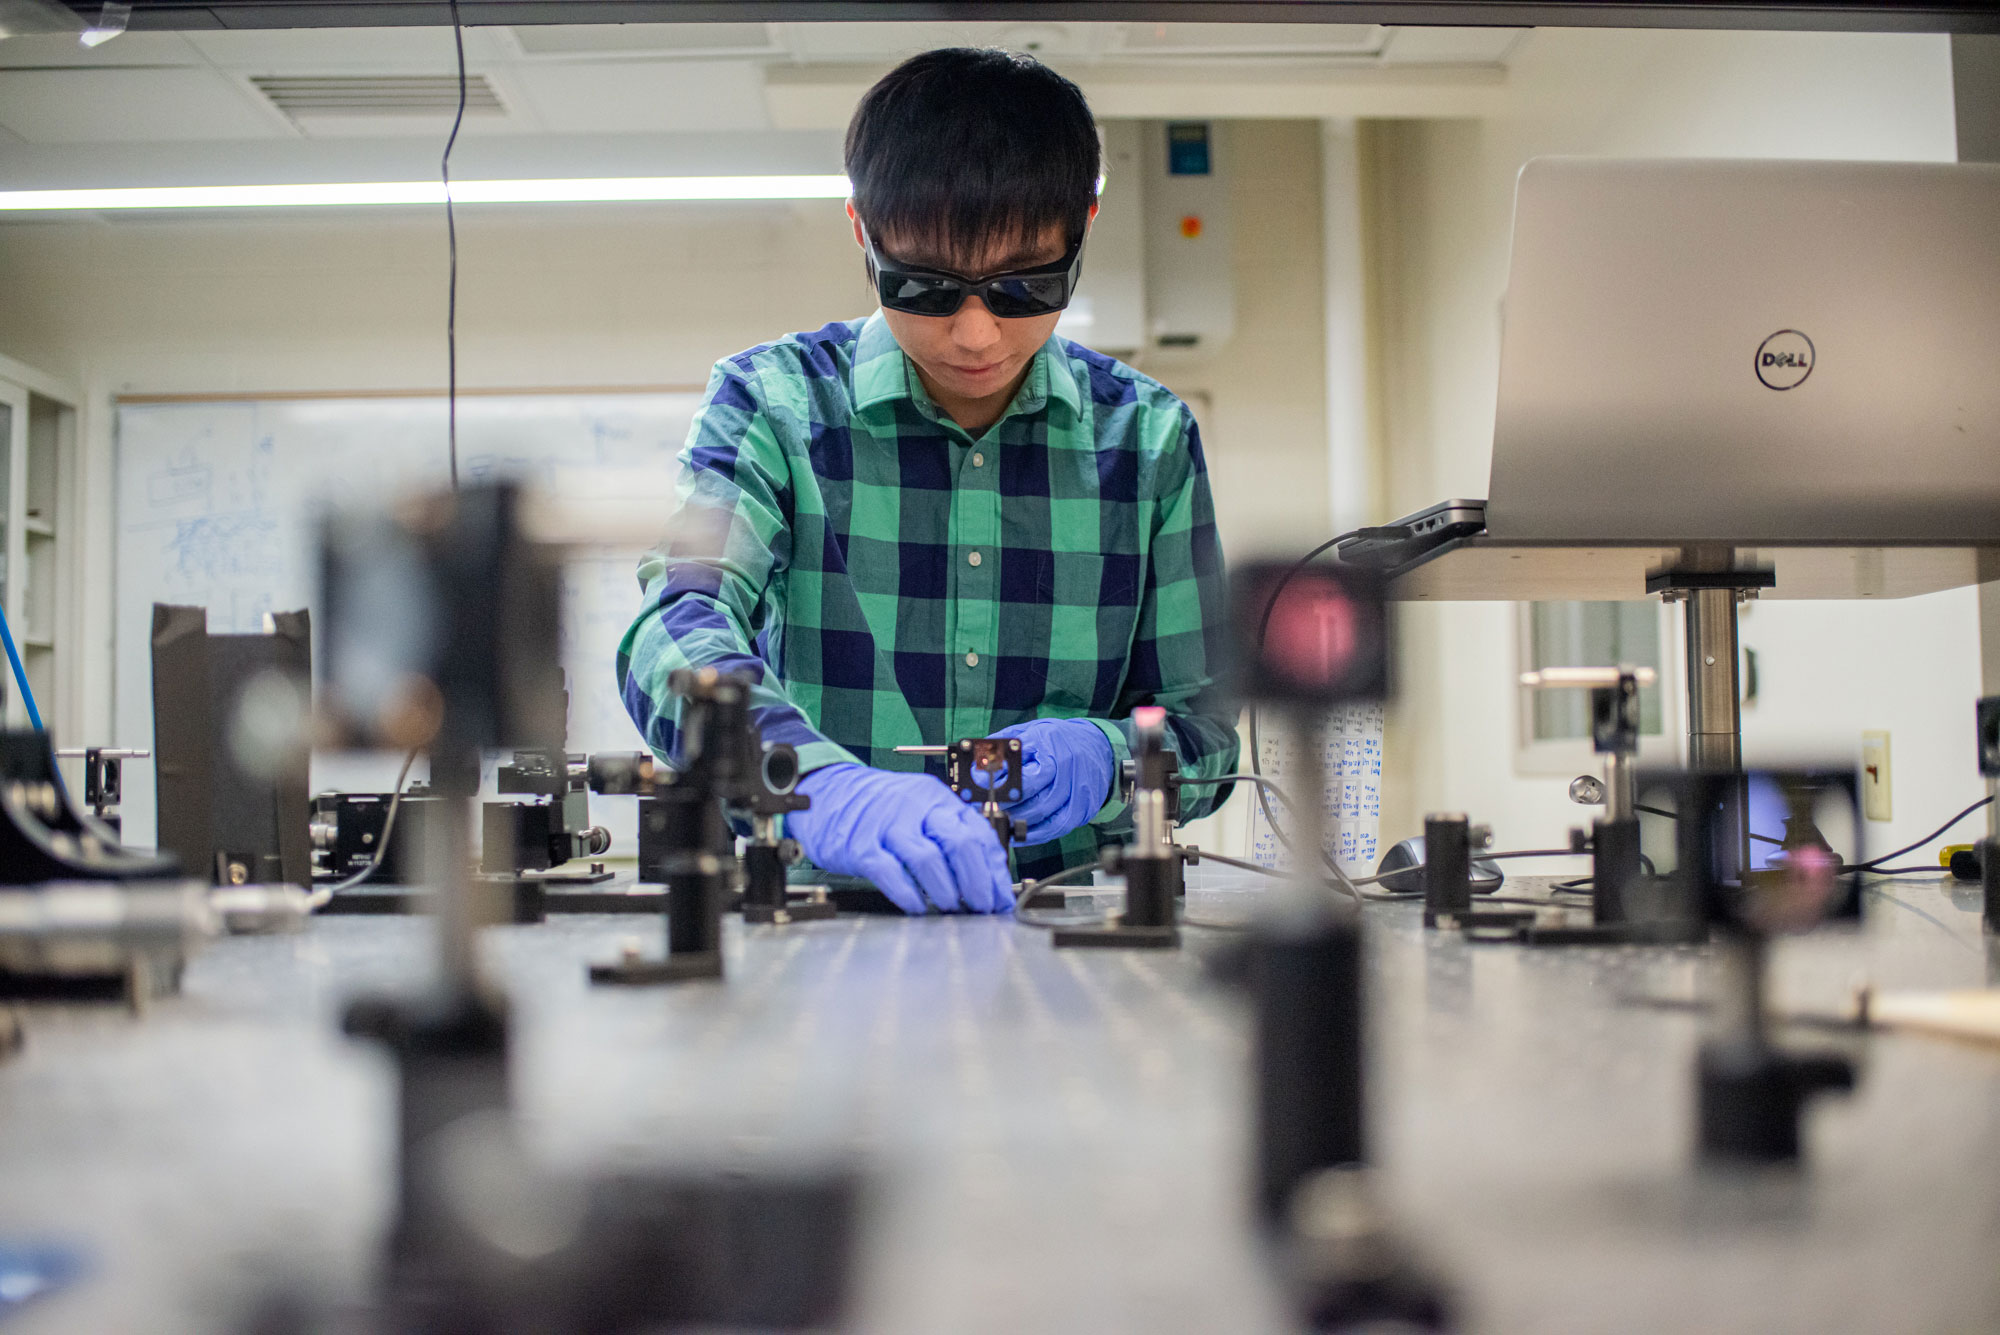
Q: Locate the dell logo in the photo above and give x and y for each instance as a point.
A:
(1784, 359)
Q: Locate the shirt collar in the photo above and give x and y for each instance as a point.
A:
(883, 374)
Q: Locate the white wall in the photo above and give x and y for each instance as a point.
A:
(599, 296)
(1261, 399)
(1439, 219)
(630, 296)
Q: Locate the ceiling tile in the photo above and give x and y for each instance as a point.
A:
(645, 95)
(62, 50)
(619, 39)
(356, 50)
(104, 106)
(1259, 39)
(1450, 46)
(876, 42)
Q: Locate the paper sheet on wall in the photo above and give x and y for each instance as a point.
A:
(1351, 762)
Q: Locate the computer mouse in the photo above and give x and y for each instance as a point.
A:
(1402, 868)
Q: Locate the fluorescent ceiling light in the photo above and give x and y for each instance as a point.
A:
(562, 191)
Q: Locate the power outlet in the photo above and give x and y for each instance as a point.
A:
(1875, 776)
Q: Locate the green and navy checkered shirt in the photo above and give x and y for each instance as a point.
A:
(891, 580)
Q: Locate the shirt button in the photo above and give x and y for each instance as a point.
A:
(973, 559)
(971, 658)
(978, 459)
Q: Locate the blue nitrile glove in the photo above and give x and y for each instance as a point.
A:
(1066, 771)
(907, 833)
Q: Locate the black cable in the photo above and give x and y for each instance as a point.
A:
(1264, 624)
(1477, 856)
(324, 893)
(1257, 766)
(451, 233)
(451, 425)
(1587, 885)
(1675, 815)
(1873, 863)
(1340, 880)
(1257, 779)
(1350, 885)
(1258, 867)
(1029, 889)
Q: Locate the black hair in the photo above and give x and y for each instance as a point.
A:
(960, 147)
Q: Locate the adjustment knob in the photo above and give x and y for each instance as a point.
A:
(1587, 790)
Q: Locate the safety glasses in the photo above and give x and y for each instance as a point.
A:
(1043, 290)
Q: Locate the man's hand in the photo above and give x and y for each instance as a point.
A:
(907, 833)
(1066, 772)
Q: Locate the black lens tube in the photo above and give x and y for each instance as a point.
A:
(1310, 1022)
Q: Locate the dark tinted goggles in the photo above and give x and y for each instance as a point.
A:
(1043, 290)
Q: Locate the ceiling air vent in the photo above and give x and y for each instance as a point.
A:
(311, 97)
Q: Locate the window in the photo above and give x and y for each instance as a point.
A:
(1555, 725)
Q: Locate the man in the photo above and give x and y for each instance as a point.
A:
(943, 521)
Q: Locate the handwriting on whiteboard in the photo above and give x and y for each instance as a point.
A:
(219, 504)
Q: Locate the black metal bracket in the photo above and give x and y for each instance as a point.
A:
(969, 757)
(1711, 579)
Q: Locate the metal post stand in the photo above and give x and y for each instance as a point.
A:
(698, 869)
(767, 898)
(1615, 858)
(1151, 863)
(1709, 588)
(1447, 868)
(1342, 1256)
(1715, 717)
(1750, 1095)
(451, 1052)
(986, 771)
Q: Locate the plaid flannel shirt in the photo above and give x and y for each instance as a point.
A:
(888, 579)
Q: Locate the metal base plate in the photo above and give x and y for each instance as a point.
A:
(605, 901)
(1610, 934)
(369, 901)
(797, 910)
(651, 973)
(562, 876)
(1119, 937)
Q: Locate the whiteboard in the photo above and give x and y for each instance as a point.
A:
(1349, 770)
(218, 505)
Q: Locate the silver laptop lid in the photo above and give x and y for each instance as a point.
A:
(1751, 351)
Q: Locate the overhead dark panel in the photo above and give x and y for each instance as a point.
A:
(1851, 15)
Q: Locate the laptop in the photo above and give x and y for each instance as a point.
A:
(1741, 352)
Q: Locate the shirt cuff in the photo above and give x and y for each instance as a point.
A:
(820, 754)
(1121, 752)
